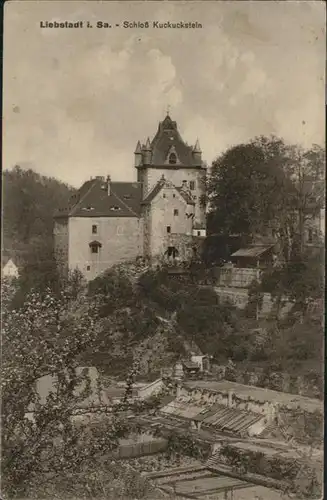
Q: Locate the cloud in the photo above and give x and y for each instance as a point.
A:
(84, 98)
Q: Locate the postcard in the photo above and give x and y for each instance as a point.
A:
(163, 248)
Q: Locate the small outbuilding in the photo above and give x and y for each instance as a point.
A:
(260, 256)
(190, 368)
(9, 268)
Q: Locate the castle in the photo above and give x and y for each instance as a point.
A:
(162, 215)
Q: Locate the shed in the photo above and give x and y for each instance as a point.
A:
(254, 256)
(191, 368)
(9, 268)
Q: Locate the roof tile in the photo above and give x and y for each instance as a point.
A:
(92, 200)
(166, 137)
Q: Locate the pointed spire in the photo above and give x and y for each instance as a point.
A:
(138, 149)
(197, 148)
(148, 145)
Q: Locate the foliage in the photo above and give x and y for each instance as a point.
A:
(29, 203)
(295, 475)
(300, 280)
(184, 445)
(266, 188)
(255, 300)
(247, 186)
(47, 336)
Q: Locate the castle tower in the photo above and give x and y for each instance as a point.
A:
(167, 154)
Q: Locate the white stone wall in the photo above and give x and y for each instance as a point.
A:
(162, 215)
(238, 277)
(121, 239)
(176, 177)
(239, 298)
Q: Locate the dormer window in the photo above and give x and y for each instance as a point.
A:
(172, 159)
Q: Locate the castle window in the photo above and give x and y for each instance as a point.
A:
(94, 229)
(175, 211)
(172, 159)
(168, 229)
(192, 185)
(174, 196)
(88, 268)
(164, 195)
(94, 246)
(310, 236)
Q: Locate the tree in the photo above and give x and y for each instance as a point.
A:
(47, 336)
(247, 187)
(29, 202)
(266, 188)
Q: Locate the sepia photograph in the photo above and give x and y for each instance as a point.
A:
(162, 250)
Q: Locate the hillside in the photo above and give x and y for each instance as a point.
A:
(29, 200)
(28, 203)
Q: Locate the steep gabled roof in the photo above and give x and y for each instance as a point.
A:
(92, 200)
(163, 183)
(12, 255)
(166, 137)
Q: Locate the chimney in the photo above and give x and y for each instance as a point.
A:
(108, 184)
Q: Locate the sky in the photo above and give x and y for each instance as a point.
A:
(76, 101)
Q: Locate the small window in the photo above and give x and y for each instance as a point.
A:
(174, 196)
(172, 159)
(168, 229)
(88, 268)
(94, 249)
(199, 233)
(192, 185)
(94, 229)
(175, 211)
(164, 195)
